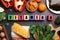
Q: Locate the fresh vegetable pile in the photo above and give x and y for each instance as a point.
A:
(42, 33)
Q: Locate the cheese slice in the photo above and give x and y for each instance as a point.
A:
(18, 29)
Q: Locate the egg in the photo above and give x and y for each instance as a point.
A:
(2, 34)
(1, 27)
(4, 39)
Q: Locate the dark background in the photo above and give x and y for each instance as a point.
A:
(26, 23)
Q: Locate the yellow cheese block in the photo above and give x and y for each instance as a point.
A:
(18, 29)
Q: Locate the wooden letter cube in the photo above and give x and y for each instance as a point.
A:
(37, 17)
(42, 17)
(21, 17)
(50, 17)
(31, 17)
(26, 17)
(10, 17)
(15, 17)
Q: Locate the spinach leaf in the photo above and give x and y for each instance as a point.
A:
(33, 29)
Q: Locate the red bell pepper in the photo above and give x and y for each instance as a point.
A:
(19, 5)
(7, 3)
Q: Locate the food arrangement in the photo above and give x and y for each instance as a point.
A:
(19, 32)
(20, 5)
(3, 34)
(48, 32)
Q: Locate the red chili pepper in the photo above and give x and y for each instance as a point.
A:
(7, 3)
(19, 7)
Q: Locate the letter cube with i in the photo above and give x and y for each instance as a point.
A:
(31, 17)
(15, 17)
(10, 17)
(50, 17)
(42, 17)
(26, 17)
(37, 17)
(21, 17)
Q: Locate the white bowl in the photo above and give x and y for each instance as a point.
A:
(56, 12)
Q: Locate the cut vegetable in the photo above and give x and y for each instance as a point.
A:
(19, 5)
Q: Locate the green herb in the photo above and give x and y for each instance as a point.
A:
(2, 16)
(43, 33)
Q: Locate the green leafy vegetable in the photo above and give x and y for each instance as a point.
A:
(32, 29)
(2, 16)
(43, 33)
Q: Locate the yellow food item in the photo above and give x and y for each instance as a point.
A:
(18, 29)
(42, 7)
